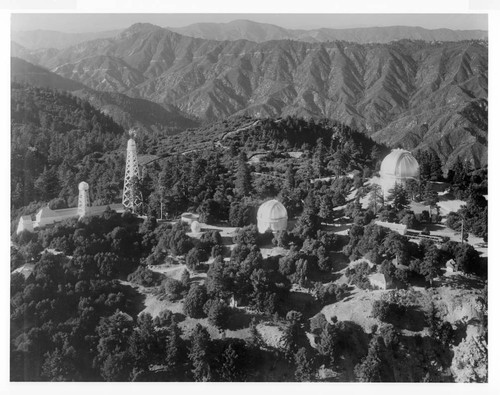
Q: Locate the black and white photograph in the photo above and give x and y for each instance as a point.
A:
(255, 197)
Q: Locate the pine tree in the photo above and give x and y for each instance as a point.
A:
(376, 201)
(370, 368)
(326, 208)
(229, 370)
(435, 167)
(304, 370)
(399, 196)
(173, 348)
(431, 198)
(326, 344)
(319, 158)
(185, 277)
(289, 177)
(199, 354)
(243, 182)
(48, 184)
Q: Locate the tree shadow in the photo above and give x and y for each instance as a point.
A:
(196, 278)
(241, 319)
(226, 240)
(135, 300)
(411, 319)
(302, 302)
(459, 281)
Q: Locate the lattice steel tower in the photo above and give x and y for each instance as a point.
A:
(83, 199)
(132, 198)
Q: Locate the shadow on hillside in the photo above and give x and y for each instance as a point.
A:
(240, 319)
(135, 300)
(226, 240)
(412, 319)
(340, 261)
(463, 282)
(303, 303)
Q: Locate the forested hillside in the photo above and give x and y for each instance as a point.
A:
(128, 112)
(57, 141)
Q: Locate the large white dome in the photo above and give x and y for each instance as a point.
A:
(399, 164)
(272, 215)
(396, 168)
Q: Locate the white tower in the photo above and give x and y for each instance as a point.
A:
(132, 198)
(83, 199)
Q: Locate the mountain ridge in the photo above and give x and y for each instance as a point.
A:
(379, 88)
(260, 32)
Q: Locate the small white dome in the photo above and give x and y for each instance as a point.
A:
(195, 227)
(272, 209)
(272, 215)
(131, 145)
(399, 164)
(83, 186)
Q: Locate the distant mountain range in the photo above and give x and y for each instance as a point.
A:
(42, 39)
(260, 32)
(407, 93)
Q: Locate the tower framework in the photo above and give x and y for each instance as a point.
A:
(132, 198)
(83, 199)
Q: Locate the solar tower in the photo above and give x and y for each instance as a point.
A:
(132, 198)
(83, 199)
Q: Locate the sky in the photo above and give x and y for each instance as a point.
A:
(93, 22)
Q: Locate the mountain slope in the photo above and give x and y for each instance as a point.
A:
(401, 86)
(28, 73)
(260, 32)
(40, 39)
(126, 111)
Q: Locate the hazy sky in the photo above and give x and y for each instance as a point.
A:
(102, 22)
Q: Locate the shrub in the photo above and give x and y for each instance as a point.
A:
(164, 319)
(318, 323)
(195, 257)
(387, 311)
(145, 277)
(174, 288)
(358, 275)
(195, 300)
(330, 293)
(294, 316)
(218, 313)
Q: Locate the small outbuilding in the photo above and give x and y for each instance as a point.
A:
(25, 223)
(272, 215)
(46, 216)
(380, 281)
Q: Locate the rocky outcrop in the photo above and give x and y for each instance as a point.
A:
(470, 362)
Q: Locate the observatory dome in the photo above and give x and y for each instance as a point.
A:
(131, 145)
(195, 227)
(400, 164)
(83, 186)
(397, 167)
(272, 215)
